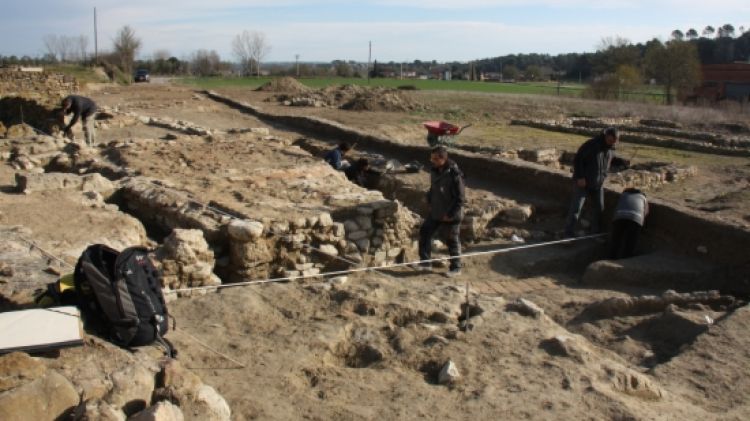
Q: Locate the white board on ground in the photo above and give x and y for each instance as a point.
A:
(41, 329)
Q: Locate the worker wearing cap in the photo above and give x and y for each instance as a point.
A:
(590, 168)
(84, 108)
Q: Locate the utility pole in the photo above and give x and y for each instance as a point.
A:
(402, 71)
(296, 61)
(369, 59)
(96, 41)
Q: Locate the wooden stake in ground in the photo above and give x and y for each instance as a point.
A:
(466, 314)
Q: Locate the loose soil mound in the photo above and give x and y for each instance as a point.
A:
(354, 97)
(284, 84)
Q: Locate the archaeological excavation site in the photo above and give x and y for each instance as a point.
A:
(289, 287)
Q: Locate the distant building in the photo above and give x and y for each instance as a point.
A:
(491, 76)
(723, 81)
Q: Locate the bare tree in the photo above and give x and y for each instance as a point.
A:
(259, 49)
(67, 48)
(50, 44)
(83, 46)
(205, 63)
(126, 45)
(242, 48)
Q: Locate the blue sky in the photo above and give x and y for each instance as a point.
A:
(324, 30)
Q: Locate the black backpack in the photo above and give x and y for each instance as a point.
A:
(119, 294)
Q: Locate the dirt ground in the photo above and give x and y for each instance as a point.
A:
(372, 346)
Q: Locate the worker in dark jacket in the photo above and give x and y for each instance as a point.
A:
(84, 108)
(590, 168)
(630, 214)
(335, 157)
(446, 199)
(357, 172)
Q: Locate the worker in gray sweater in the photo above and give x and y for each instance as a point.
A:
(630, 214)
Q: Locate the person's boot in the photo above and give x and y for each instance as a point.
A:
(453, 273)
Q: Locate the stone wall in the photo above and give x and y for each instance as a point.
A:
(30, 97)
(372, 233)
(718, 145)
(42, 87)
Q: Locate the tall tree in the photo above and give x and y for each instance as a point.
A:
(242, 48)
(691, 34)
(708, 31)
(675, 65)
(83, 46)
(260, 48)
(677, 35)
(126, 45)
(726, 31)
(613, 53)
(50, 44)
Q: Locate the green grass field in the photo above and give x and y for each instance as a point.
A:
(454, 85)
(573, 90)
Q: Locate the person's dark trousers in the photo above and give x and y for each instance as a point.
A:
(428, 230)
(625, 235)
(576, 206)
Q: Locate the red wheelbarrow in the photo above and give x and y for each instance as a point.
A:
(442, 132)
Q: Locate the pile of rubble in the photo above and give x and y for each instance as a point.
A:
(100, 381)
(652, 174)
(644, 175)
(287, 85)
(352, 97)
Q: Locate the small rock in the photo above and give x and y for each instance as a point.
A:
(5, 269)
(162, 411)
(436, 339)
(245, 230)
(339, 280)
(449, 374)
(42, 399)
(526, 308)
(325, 220)
(329, 250)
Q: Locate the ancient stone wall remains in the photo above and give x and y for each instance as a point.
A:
(717, 144)
(43, 87)
(374, 233)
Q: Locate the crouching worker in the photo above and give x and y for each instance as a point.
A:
(335, 157)
(446, 199)
(630, 214)
(80, 107)
(357, 172)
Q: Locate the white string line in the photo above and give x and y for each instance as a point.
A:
(44, 252)
(204, 345)
(395, 265)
